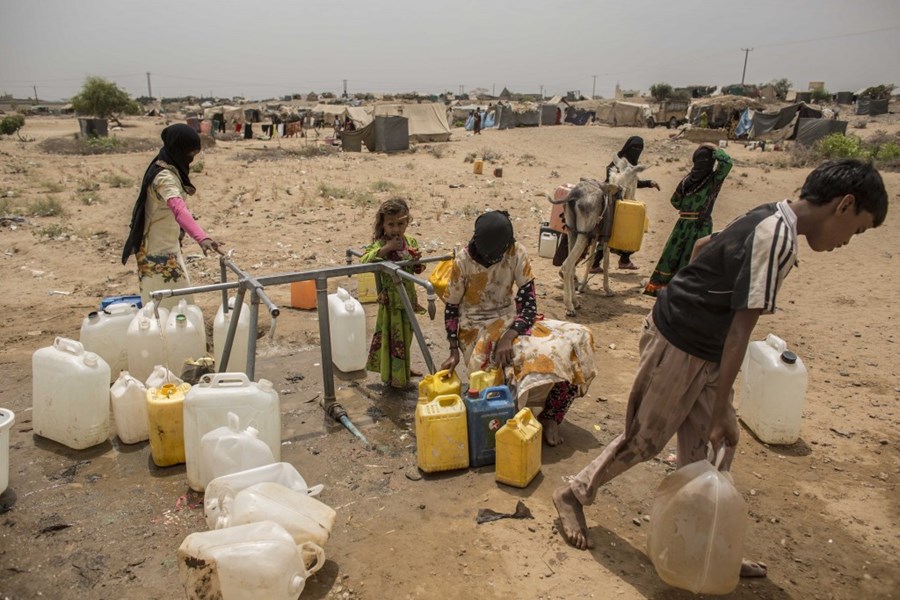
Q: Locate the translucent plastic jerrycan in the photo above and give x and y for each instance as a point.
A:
(302, 516)
(193, 313)
(7, 418)
(160, 376)
(230, 449)
(628, 225)
(208, 403)
(145, 341)
(184, 341)
(105, 334)
(70, 395)
(128, 398)
(519, 450)
(442, 441)
(697, 526)
(442, 383)
(366, 288)
(223, 489)
(165, 417)
(487, 410)
(303, 294)
(237, 360)
(248, 562)
(772, 391)
(347, 320)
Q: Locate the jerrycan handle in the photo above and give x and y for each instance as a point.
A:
(776, 342)
(66, 345)
(447, 400)
(234, 422)
(320, 556)
(226, 380)
(120, 308)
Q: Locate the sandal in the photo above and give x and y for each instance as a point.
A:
(596, 271)
(629, 266)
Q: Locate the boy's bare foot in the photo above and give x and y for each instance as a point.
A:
(752, 568)
(571, 518)
(551, 432)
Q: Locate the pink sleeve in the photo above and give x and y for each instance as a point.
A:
(185, 220)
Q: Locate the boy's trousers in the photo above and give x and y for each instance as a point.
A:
(673, 392)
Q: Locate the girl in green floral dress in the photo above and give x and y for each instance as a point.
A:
(694, 198)
(389, 352)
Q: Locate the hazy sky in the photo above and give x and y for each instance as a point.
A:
(268, 49)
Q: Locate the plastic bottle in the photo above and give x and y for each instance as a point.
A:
(519, 450)
(773, 389)
(237, 361)
(128, 398)
(487, 410)
(70, 395)
(222, 490)
(184, 341)
(442, 442)
(105, 334)
(208, 403)
(697, 526)
(248, 562)
(349, 348)
(165, 416)
(304, 517)
(231, 449)
(145, 340)
(7, 418)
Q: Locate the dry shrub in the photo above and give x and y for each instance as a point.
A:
(75, 145)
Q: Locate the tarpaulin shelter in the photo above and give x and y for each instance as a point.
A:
(579, 116)
(868, 106)
(844, 97)
(720, 110)
(551, 114)
(627, 114)
(765, 122)
(519, 115)
(382, 134)
(91, 127)
(810, 131)
(427, 122)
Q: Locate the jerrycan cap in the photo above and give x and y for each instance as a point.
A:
(168, 389)
(90, 359)
(473, 393)
(180, 320)
(788, 357)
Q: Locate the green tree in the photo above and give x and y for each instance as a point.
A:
(782, 87)
(12, 124)
(103, 99)
(821, 96)
(661, 91)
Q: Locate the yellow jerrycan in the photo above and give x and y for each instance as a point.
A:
(628, 225)
(519, 450)
(441, 383)
(482, 380)
(165, 412)
(442, 438)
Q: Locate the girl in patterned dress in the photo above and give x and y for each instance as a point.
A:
(160, 215)
(389, 352)
(491, 316)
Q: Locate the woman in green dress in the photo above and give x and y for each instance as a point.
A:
(389, 351)
(694, 198)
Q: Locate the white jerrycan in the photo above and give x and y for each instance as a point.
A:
(250, 562)
(237, 360)
(70, 395)
(208, 403)
(128, 397)
(146, 342)
(193, 313)
(347, 321)
(184, 340)
(230, 449)
(772, 391)
(304, 517)
(105, 332)
(161, 376)
(223, 489)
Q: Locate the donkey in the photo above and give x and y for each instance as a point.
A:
(589, 210)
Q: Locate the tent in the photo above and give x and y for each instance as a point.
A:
(551, 114)
(763, 123)
(382, 134)
(720, 110)
(525, 114)
(579, 116)
(810, 131)
(427, 122)
(627, 114)
(868, 106)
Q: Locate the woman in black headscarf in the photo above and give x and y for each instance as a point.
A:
(495, 326)
(694, 199)
(160, 215)
(631, 152)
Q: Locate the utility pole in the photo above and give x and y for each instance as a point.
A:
(542, 91)
(149, 89)
(36, 101)
(594, 89)
(494, 90)
(345, 88)
(461, 88)
(747, 51)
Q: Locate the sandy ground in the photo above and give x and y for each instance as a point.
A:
(105, 523)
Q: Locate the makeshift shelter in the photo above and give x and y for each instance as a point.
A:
(579, 116)
(868, 106)
(763, 123)
(720, 111)
(382, 134)
(93, 127)
(844, 97)
(526, 114)
(809, 131)
(551, 114)
(427, 122)
(627, 114)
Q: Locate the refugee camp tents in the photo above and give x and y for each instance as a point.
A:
(551, 114)
(519, 114)
(720, 110)
(579, 116)
(763, 123)
(810, 131)
(383, 134)
(427, 122)
(868, 106)
(627, 114)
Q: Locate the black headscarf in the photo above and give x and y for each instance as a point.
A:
(632, 149)
(700, 171)
(179, 141)
(493, 237)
